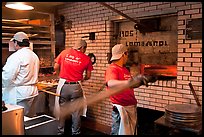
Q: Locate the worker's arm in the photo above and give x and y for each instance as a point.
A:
(87, 75)
(112, 83)
(56, 69)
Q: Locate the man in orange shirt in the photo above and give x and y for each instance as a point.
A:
(124, 113)
(71, 64)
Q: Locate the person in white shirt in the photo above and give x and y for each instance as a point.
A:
(20, 75)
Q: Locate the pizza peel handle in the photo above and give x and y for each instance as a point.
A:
(194, 94)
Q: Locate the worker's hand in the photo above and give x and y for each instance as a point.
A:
(151, 78)
(148, 79)
(54, 73)
(142, 80)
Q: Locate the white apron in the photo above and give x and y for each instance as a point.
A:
(57, 106)
(128, 119)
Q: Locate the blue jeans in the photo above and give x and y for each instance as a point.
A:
(115, 121)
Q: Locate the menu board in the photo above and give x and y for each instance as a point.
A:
(194, 29)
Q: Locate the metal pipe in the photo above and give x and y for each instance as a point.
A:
(121, 13)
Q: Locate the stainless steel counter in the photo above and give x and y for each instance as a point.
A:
(13, 120)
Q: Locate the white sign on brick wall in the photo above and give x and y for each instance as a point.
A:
(157, 47)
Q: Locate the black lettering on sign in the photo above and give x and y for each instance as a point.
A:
(131, 43)
(142, 43)
(126, 33)
(131, 33)
(147, 43)
(136, 43)
(155, 43)
(161, 43)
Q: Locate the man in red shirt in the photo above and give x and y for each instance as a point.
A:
(124, 114)
(71, 64)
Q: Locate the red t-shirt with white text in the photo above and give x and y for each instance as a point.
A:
(72, 64)
(126, 97)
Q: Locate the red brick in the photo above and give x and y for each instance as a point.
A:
(191, 3)
(155, 3)
(150, 99)
(183, 100)
(186, 7)
(156, 96)
(184, 17)
(183, 91)
(180, 41)
(192, 78)
(169, 98)
(184, 55)
(180, 31)
(144, 4)
(151, 8)
(186, 64)
(175, 102)
(197, 55)
(143, 102)
(195, 16)
(194, 50)
(155, 104)
(192, 41)
(195, 6)
(185, 77)
(192, 59)
(180, 73)
(194, 83)
(169, 89)
(180, 59)
(194, 11)
(177, 95)
(176, 4)
(161, 92)
(191, 69)
(164, 6)
(183, 82)
(197, 64)
(181, 27)
(181, 36)
(179, 77)
(162, 101)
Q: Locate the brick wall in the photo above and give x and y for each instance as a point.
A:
(89, 17)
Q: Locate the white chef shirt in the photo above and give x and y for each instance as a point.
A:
(19, 76)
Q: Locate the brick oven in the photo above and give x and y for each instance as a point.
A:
(176, 43)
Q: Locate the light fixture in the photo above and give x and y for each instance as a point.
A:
(18, 6)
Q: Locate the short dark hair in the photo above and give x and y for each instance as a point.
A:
(25, 43)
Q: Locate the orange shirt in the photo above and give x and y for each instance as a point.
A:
(127, 97)
(72, 64)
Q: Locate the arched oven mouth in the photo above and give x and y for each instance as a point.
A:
(163, 72)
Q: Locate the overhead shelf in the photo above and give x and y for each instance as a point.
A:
(37, 30)
(40, 33)
(6, 40)
(33, 23)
